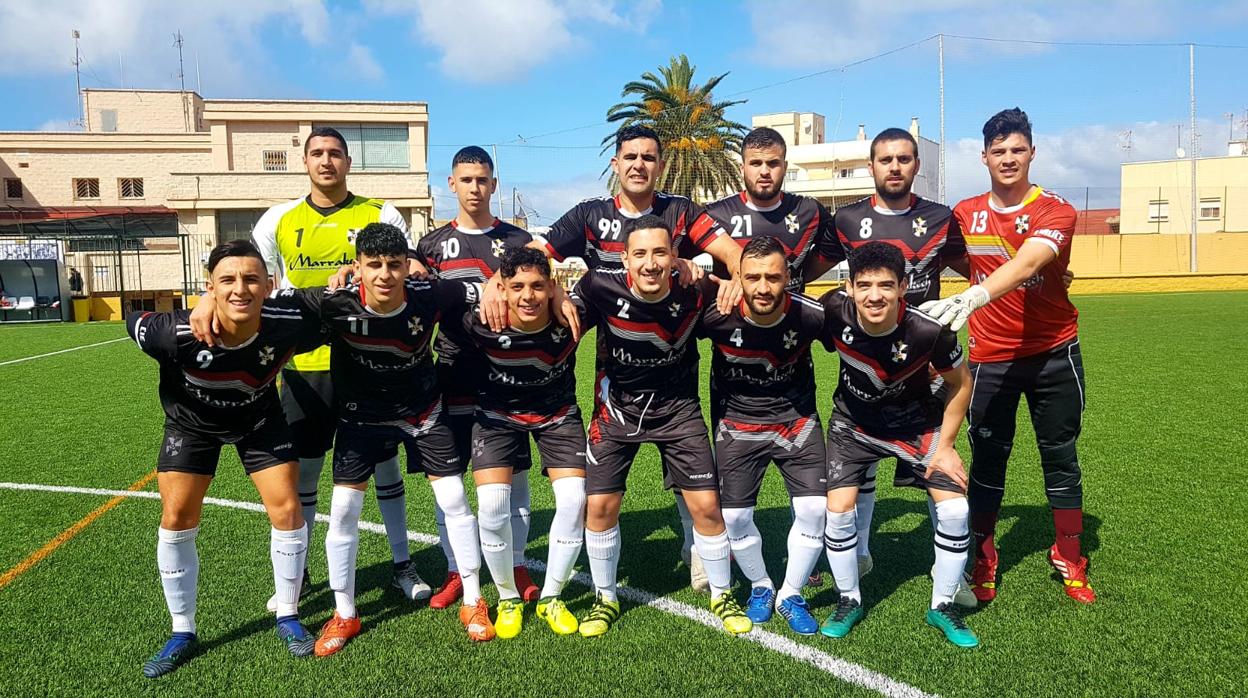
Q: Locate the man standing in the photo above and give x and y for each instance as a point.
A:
(1024, 340)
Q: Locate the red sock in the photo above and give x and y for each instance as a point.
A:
(1068, 524)
(984, 528)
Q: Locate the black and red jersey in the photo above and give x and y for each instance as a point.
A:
(594, 229)
(800, 223)
(219, 391)
(381, 364)
(885, 386)
(466, 254)
(764, 374)
(644, 346)
(529, 379)
(926, 233)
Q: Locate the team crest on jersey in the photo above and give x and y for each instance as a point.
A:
(478, 448)
(847, 336)
(1022, 224)
(266, 356)
(674, 309)
(791, 222)
(415, 326)
(496, 248)
(919, 226)
(558, 334)
(900, 351)
(352, 234)
(790, 339)
(173, 446)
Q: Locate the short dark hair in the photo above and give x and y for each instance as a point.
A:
(648, 222)
(632, 133)
(877, 255)
(763, 137)
(232, 248)
(472, 155)
(325, 132)
(518, 258)
(1005, 123)
(762, 247)
(380, 240)
(894, 134)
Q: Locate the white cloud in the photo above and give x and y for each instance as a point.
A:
(363, 65)
(485, 41)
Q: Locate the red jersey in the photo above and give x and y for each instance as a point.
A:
(1038, 315)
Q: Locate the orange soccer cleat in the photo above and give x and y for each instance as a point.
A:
(451, 591)
(476, 620)
(335, 635)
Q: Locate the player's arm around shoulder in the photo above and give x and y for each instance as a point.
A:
(949, 360)
(834, 304)
(155, 333)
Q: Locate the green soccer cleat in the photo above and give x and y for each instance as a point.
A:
(600, 618)
(948, 619)
(730, 612)
(847, 614)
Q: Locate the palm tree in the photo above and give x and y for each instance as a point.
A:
(698, 141)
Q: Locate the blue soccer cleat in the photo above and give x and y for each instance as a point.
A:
(171, 656)
(795, 610)
(298, 640)
(762, 601)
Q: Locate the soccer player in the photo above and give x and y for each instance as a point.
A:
(762, 371)
(381, 328)
(1024, 340)
(885, 407)
(470, 248)
(218, 395)
(649, 394)
(304, 242)
(527, 388)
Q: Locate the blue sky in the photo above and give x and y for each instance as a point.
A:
(496, 72)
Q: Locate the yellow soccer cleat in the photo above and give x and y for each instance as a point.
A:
(600, 618)
(510, 618)
(557, 616)
(729, 611)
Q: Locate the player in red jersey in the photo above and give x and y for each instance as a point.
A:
(1024, 340)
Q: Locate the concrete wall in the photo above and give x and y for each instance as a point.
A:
(249, 140)
(48, 177)
(141, 111)
(1223, 178)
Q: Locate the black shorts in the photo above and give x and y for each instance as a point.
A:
(743, 450)
(458, 383)
(674, 425)
(308, 401)
(852, 452)
(429, 446)
(560, 445)
(268, 445)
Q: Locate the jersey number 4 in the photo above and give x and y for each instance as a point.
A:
(736, 337)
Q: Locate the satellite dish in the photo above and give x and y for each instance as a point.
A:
(1180, 153)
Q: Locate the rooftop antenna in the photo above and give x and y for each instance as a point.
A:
(1126, 142)
(177, 42)
(82, 105)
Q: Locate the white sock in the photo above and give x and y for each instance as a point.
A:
(309, 481)
(567, 533)
(521, 515)
(288, 550)
(342, 544)
(952, 541)
(747, 545)
(686, 522)
(603, 550)
(714, 553)
(392, 501)
(494, 521)
(178, 562)
(805, 544)
(461, 531)
(439, 520)
(864, 509)
(840, 538)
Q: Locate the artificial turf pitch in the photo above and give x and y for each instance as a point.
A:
(1166, 530)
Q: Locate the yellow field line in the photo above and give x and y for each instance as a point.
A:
(64, 536)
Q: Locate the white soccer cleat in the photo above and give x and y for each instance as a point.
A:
(865, 565)
(962, 596)
(410, 583)
(271, 605)
(697, 575)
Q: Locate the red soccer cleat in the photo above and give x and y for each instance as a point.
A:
(984, 580)
(1074, 576)
(524, 584)
(452, 590)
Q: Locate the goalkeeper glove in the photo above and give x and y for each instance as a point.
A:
(955, 310)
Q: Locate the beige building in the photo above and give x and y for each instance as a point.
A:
(170, 174)
(836, 173)
(1157, 196)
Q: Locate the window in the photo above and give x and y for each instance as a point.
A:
(1158, 211)
(236, 224)
(13, 188)
(274, 160)
(87, 188)
(1210, 209)
(845, 172)
(108, 120)
(130, 187)
(375, 147)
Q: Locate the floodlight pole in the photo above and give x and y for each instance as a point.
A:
(1191, 87)
(940, 177)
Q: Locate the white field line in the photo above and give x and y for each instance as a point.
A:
(62, 351)
(840, 668)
